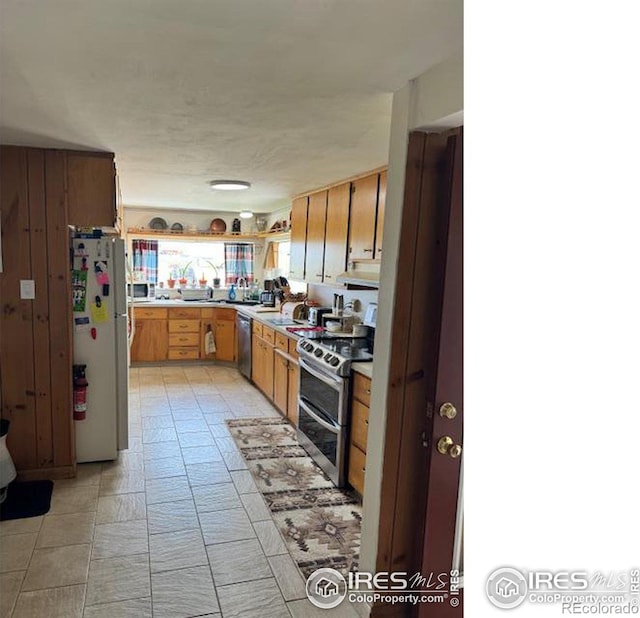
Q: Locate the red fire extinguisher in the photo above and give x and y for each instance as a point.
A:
(79, 393)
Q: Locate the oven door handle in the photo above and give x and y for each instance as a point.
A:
(329, 426)
(335, 383)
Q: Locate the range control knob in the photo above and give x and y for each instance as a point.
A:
(328, 357)
(335, 361)
(308, 347)
(318, 352)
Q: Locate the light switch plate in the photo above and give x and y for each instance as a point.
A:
(27, 289)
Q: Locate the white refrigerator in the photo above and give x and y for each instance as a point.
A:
(101, 342)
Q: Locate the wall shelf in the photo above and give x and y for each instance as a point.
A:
(145, 232)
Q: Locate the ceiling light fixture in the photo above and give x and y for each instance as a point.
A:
(229, 185)
(246, 214)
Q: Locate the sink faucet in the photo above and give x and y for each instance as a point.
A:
(242, 288)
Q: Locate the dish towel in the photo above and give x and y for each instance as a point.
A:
(209, 343)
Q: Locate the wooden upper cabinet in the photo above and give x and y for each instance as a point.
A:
(335, 246)
(298, 238)
(364, 197)
(316, 221)
(91, 181)
(382, 198)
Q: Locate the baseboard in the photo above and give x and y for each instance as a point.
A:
(41, 474)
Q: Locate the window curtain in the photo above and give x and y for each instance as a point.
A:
(145, 260)
(238, 262)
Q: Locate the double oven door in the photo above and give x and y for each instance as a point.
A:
(323, 406)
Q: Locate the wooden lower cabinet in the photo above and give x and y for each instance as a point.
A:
(285, 387)
(225, 336)
(274, 371)
(357, 468)
(151, 341)
(292, 393)
(281, 382)
(359, 431)
(178, 333)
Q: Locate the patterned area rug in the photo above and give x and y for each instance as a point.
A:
(320, 524)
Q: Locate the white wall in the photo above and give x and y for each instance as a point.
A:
(434, 100)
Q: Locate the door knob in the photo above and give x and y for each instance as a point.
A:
(448, 410)
(446, 446)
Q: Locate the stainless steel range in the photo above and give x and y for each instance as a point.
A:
(323, 399)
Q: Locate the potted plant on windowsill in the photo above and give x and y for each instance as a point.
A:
(216, 270)
(202, 281)
(183, 275)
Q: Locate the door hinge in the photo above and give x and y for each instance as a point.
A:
(425, 440)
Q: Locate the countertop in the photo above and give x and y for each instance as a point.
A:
(256, 312)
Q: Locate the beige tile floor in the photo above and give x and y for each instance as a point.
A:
(175, 528)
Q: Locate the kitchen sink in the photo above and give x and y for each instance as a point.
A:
(248, 303)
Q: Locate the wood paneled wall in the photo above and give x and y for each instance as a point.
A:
(35, 335)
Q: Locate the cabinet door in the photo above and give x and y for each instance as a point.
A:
(364, 195)
(359, 425)
(316, 220)
(357, 465)
(280, 382)
(335, 244)
(151, 341)
(382, 198)
(256, 362)
(298, 238)
(268, 355)
(292, 406)
(225, 340)
(91, 189)
(205, 325)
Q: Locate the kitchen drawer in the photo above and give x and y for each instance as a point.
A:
(362, 389)
(268, 334)
(178, 340)
(184, 326)
(149, 313)
(293, 342)
(184, 353)
(184, 313)
(226, 315)
(257, 328)
(359, 425)
(282, 342)
(357, 464)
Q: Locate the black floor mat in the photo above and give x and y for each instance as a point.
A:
(26, 499)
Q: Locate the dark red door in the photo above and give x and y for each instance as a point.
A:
(444, 444)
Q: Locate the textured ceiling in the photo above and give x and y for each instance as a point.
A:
(288, 94)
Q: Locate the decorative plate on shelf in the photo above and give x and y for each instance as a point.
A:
(157, 223)
(177, 227)
(218, 225)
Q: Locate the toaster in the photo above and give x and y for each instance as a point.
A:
(316, 313)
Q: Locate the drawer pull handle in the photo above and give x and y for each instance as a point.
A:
(368, 391)
(368, 250)
(366, 421)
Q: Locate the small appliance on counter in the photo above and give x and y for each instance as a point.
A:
(316, 313)
(195, 294)
(268, 299)
(294, 310)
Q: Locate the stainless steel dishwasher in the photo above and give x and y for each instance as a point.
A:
(243, 324)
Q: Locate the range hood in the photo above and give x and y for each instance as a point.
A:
(360, 278)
